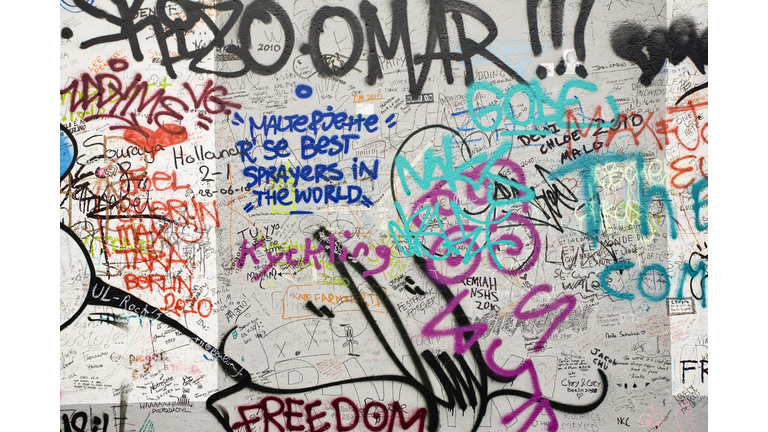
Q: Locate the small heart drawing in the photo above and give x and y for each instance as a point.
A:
(166, 135)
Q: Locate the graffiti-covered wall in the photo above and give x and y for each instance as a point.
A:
(372, 215)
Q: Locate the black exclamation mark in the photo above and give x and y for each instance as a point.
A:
(556, 26)
(578, 36)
